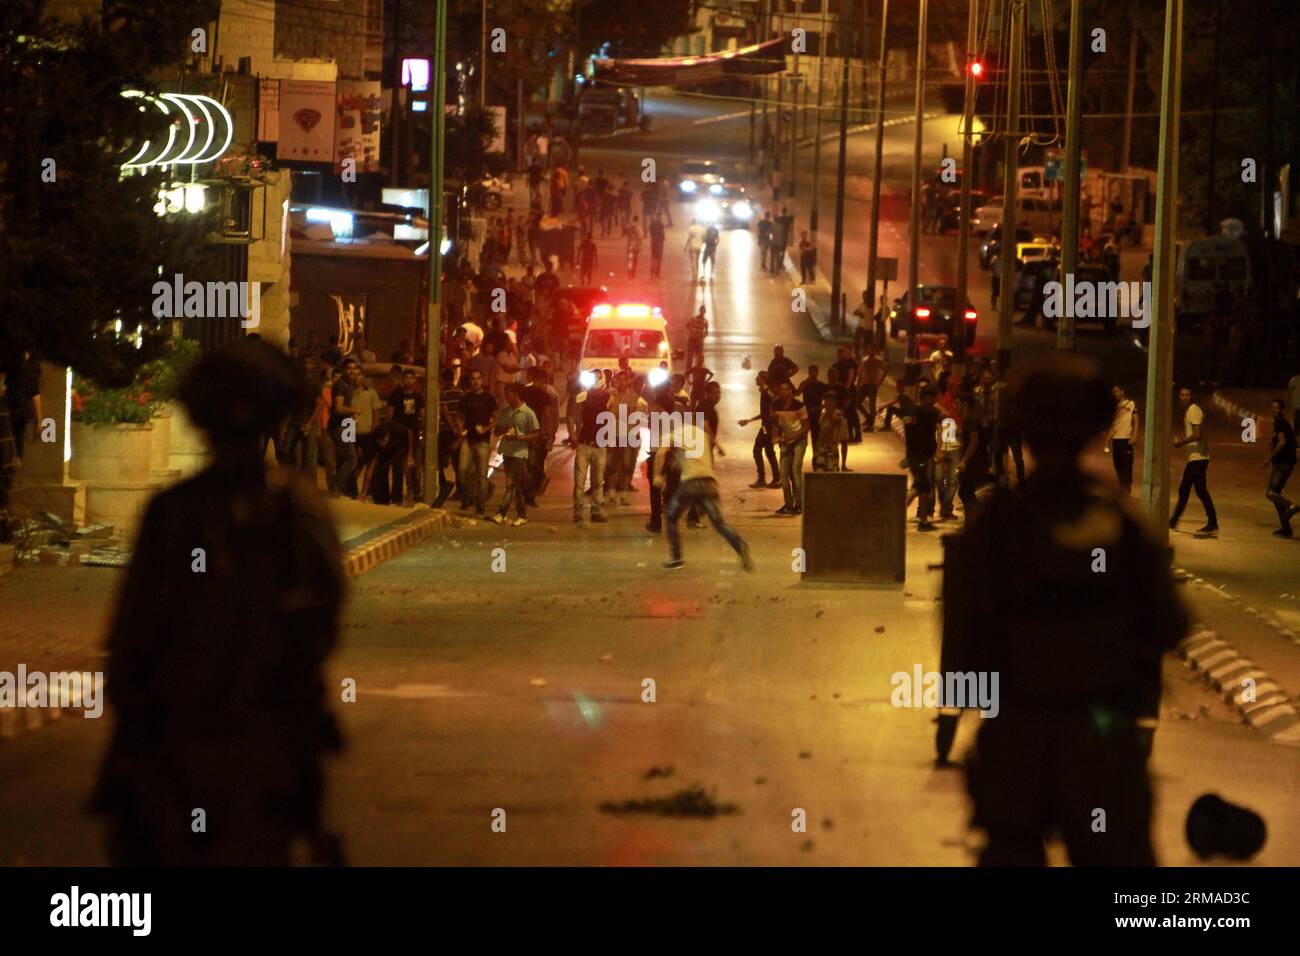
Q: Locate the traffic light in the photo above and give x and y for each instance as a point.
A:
(976, 69)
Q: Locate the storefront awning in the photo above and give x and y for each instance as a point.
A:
(755, 60)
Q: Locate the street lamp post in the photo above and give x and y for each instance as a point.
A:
(1160, 353)
(1070, 212)
(873, 242)
(967, 172)
(433, 325)
(1010, 170)
(914, 231)
(838, 319)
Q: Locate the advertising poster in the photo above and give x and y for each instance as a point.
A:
(307, 114)
(356, 134)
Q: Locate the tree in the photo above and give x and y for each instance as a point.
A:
(80, 243)
(632, 28)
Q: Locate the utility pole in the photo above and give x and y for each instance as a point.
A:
(433, 328)
(838, 319)
(1010, 174)
(817, 128)
(1126, 150)
(1211, 197)
(914, 231)
(395, 84)
(1160, 353)
(873, 243)
(794, 123)
(1073, 135)
(958, 339)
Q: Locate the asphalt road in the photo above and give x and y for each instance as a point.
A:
(522, 688)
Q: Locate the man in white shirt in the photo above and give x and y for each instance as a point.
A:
(694, 244)
(1198, 464)
(1123, 435)
(693, 450)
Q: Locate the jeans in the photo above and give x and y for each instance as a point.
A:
(763, 446)
(537, 453)
(1121, 453)
(473, 471)
(588, 457)
(347, 463)
(851, 414)
(1194, 473)
(1278, 476)
(693, 254)
(701, 493)
(792, 456)
(620, 464)
(386, 482)
(516, 485)
(694, 352)
(945, 470)
(867, 397)
(659, 496)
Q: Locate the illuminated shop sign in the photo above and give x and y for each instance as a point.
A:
(199, 130)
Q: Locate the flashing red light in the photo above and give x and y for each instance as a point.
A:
(922, 313)
(601, 311)
(971, 315)
(976, 69)
(633, 311)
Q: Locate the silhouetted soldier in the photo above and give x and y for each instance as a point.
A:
(223, 624)
(1057, 589)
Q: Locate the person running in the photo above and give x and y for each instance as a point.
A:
(790, 426)
(1198, 464)
(694, 244)
(585, 413)
(711, 239)
(478, 413)
(519, 430)
(656, 247)
(1281, 462)
(1121, 438)
(692, 451)
(697, 328)
(763, 440)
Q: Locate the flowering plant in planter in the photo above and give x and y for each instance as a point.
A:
(137, 403)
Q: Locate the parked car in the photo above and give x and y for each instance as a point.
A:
(993, 242)
(1041, 216)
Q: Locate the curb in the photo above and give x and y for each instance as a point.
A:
(1271, 712)
(820, 320)
(391, 540)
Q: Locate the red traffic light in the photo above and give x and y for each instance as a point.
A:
(976, 69)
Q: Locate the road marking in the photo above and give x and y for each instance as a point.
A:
(720, 118)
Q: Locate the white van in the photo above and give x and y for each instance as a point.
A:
(635, 331)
